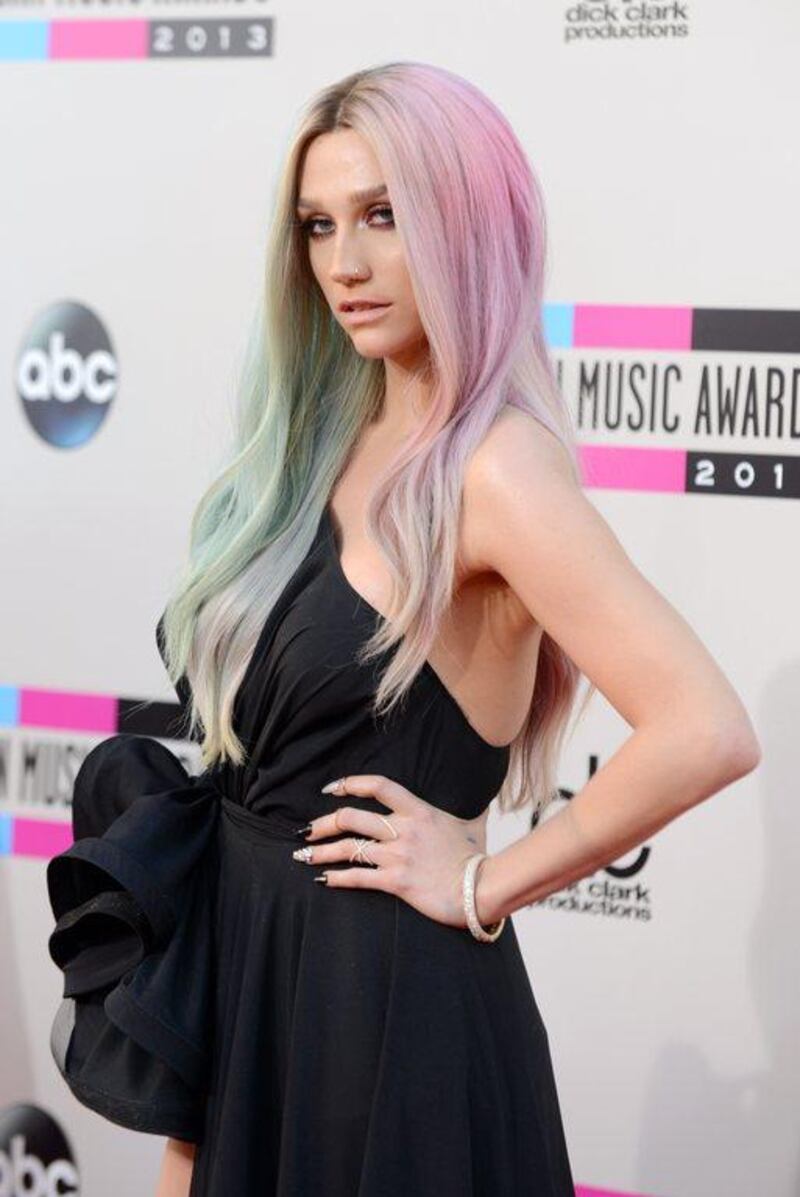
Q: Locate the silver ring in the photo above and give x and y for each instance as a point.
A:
(391, 827)
(360, 852)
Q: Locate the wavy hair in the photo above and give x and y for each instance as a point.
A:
(470, 215)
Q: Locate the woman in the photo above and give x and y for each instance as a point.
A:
(392, 592)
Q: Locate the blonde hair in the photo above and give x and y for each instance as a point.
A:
(476, 262)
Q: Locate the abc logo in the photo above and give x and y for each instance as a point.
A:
(35, 1157)
(66, 374)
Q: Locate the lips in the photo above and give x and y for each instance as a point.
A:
(360, 305)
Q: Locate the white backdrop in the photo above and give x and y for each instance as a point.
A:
(133, 208)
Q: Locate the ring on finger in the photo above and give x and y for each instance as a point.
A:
(360, 852)
(391, 826)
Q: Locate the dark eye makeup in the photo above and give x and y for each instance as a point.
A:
(308, 226)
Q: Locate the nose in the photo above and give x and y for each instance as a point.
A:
(346, 274)
(346, 262)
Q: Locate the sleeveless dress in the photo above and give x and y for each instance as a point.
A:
(309, 1040)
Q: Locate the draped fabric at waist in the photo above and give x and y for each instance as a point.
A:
(269, 825)
(133, 900)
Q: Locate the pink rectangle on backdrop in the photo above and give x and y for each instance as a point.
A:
(67, 710)
(613, 468)
(99, 39)
(617, 327)
(39, 837)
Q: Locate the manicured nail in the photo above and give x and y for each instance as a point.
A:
(323, 877)
(303, 830)
(331, 786)
(304, 854)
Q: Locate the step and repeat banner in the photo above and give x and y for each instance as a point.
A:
(139, 145)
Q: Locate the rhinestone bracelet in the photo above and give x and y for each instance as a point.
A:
(483, 934)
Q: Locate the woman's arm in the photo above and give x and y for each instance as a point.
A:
(177, 1164)
(527, 520)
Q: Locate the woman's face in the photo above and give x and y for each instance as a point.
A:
(353, 247)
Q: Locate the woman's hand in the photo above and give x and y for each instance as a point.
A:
(419, 850)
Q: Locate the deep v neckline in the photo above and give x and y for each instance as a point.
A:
(427, 669)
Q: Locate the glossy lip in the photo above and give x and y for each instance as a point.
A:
(345, 303)
(365, 315)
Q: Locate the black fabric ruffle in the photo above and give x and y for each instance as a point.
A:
(133, 901)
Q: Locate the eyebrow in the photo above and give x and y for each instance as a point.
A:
(355, 197)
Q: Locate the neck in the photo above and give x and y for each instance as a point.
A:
(406, 396)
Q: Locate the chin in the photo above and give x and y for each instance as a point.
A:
(372, 348)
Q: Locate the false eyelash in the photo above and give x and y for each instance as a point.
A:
(305, 225)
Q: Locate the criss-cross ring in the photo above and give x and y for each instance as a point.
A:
(360, 852)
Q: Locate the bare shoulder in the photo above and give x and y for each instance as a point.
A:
(519, 466)
(518, 436)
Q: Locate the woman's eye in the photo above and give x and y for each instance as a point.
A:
(384, 208)
(310, 229)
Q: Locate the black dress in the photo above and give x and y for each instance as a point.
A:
(310, 1040)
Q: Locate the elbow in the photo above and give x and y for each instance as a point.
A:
(734, 752)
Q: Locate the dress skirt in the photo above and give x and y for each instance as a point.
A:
(309, 1040)
(365, 1050)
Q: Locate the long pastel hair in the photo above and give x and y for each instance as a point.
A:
(470, 215)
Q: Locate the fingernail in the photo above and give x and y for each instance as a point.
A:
(303, 830)
(303, 854)
(331, 786)
(323, 877)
